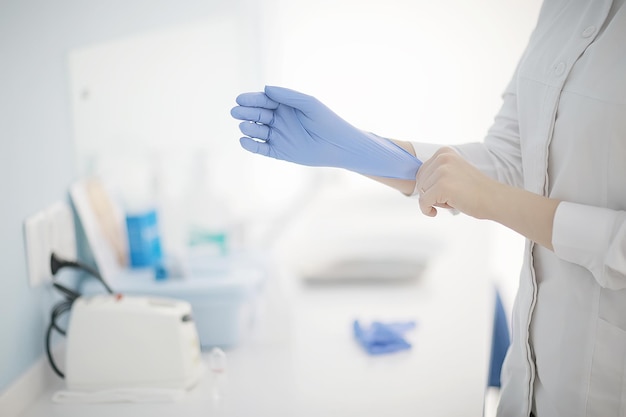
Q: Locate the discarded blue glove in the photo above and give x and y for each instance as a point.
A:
(298, 128)
(381, 338)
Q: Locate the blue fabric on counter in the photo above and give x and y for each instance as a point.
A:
(380, 338)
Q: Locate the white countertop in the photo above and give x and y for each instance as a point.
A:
(302, 359)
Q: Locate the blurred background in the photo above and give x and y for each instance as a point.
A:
(139, 93)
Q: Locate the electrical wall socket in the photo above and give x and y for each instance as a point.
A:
(50, 230)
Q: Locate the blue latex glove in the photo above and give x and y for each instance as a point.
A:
(381, 338)
(298, 128)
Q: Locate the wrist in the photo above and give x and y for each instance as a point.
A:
(404, 145)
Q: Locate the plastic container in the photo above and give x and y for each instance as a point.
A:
(144, 241)
(139, 194)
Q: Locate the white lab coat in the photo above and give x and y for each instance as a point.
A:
(561, 132)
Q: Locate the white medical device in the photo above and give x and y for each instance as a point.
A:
(118, 341)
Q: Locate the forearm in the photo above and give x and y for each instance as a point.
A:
(529, 214)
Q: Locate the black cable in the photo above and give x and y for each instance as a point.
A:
(58, 310)
(71, 295)
(50, 358)
(57, 263)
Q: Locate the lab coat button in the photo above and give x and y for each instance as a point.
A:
(559, 69)
(589, 31)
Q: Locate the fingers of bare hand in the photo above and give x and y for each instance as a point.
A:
(425, 202)
(441, 157)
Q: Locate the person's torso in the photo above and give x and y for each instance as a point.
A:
(571, 90)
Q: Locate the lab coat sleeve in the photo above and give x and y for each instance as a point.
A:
(499, 155)
(592, 237)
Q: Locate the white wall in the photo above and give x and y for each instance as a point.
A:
(414, 70)
(411, 69)
(36, 143)
(407, 69)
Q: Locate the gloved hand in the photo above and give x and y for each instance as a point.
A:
(298, 128)
(382, 338)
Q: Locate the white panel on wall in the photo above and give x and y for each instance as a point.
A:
(163, 90)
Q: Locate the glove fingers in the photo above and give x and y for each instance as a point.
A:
(253, 114)
(255, 130)
(291, 98)
(254, 146)
(256, 100)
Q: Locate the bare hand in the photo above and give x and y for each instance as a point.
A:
(447, 180)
